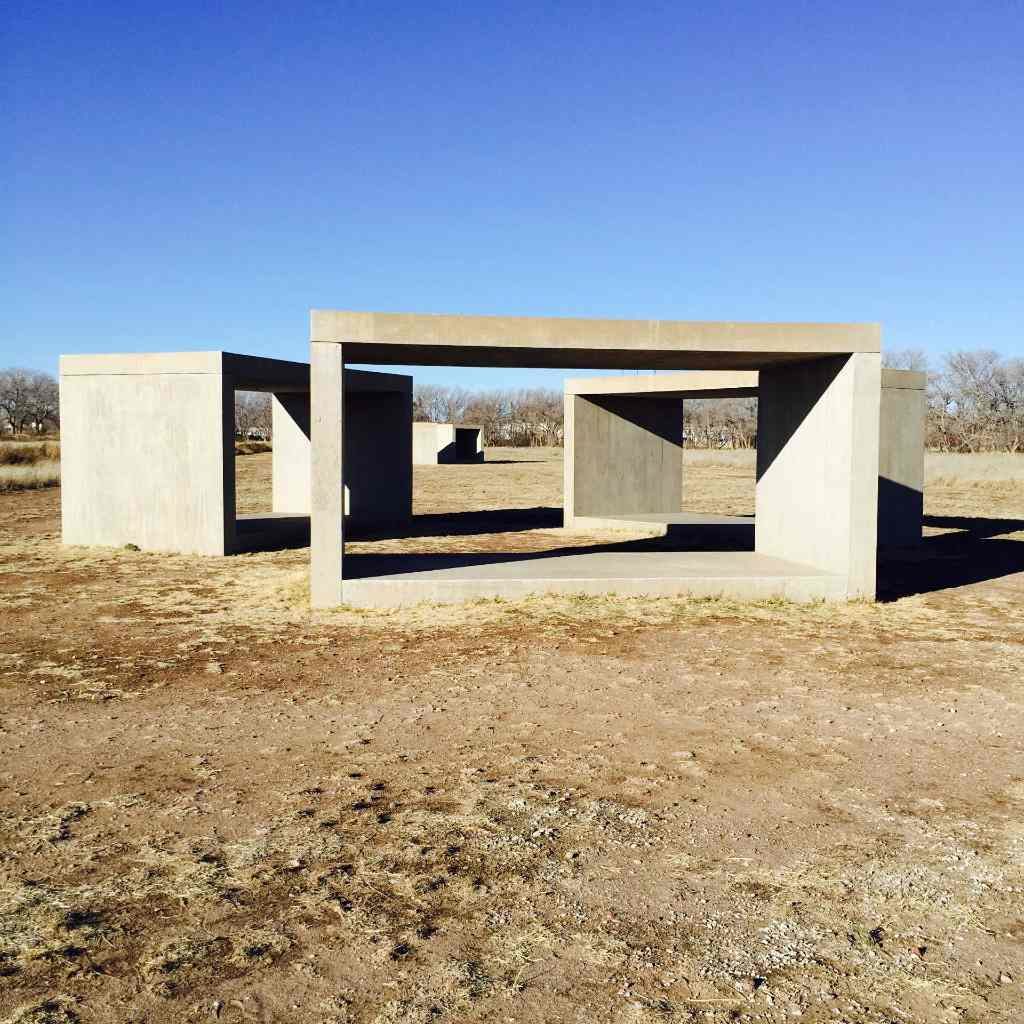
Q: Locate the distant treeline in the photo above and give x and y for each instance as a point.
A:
(975, 404)
(975, 399)
(517, 418)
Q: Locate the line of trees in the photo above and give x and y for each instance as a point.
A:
(517, 418)
(975, 404)
(29, 402)
(975, 400)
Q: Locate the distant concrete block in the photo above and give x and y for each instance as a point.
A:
(148, 449)
(440, 443)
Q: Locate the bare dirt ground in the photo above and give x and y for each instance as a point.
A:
(216, 805)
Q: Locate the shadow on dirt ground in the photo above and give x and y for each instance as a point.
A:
(975, 552)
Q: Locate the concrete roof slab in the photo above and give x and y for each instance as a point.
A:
(568, 342)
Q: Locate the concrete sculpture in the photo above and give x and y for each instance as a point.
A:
(624, 439)
(147, 452)
(817, 492)
(436, 444)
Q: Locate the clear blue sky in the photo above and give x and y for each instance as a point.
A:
(198, 175)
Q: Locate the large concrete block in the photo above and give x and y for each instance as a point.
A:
(404, 338)
(148, 449)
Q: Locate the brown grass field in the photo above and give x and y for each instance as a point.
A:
(217, 805)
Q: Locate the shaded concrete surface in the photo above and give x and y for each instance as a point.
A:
(624, 454)
(689, 531)
(274, 531)
(901, 457)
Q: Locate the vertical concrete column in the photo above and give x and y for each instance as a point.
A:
(226, 445)
(817, 466)
(291, 453)
(623, 454)
(568, 465)
(327, 509)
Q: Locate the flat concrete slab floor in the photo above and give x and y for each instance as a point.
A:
(388, 581)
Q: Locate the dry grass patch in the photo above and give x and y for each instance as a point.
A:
(29, 476)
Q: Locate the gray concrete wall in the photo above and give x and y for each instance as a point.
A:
(901, 459)
(623, 454)
(147, 458)
(817, 466)
(378, 457)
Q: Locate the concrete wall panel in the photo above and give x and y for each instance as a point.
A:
(817, 466)
(624, 454)
(901, 465)
(291, 453)
(378, 457)
(132, 477)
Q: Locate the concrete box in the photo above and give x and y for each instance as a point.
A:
(147, 449)
(436, 444)
(603, 482)
(817, 488)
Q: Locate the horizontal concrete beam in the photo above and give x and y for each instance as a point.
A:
(247, 373)
(565, 342)
(709, 384)
(695, 384)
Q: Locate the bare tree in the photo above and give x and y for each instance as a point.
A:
(28, 400)
(253, 415)
(906, 359)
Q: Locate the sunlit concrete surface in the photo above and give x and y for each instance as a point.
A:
(389, 581)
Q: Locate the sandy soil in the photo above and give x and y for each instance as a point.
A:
(216, 805)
